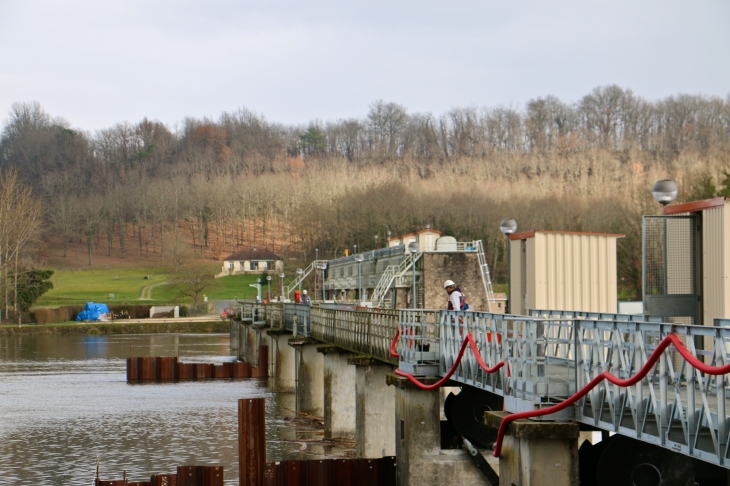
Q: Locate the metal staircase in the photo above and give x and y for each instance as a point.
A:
(486, 278)
(391, 273)
(312, 267)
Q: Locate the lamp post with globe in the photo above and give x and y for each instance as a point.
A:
(508, 226)
(413, 249)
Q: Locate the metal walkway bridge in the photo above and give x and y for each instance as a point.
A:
(678, 398)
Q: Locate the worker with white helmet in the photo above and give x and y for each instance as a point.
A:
(305, 298)
(456, 296)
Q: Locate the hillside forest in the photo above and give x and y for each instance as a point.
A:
(205, 187)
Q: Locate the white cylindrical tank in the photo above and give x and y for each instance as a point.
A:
(446, 243)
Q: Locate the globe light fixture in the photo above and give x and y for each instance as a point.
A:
(664, 191)
(508, 226)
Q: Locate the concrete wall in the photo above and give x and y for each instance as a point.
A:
(339, 393)
(420, 460)
(284, 363)
(374, 409)
(310, 380)
(157, 309)
(462, 268)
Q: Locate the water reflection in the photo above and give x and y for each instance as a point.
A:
(64, 402)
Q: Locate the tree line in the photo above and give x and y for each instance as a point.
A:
(210, 186)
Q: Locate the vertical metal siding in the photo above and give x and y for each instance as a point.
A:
(572, 272)
(517, 304)
(535, 272)
(714, 264)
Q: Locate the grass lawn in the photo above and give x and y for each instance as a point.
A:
(72, 287)
(97, 285)
(223, 288)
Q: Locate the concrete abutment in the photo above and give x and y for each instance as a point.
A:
(374, 408)
(420, 459)
(339, 392)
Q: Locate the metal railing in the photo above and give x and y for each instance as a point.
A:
(275, 315)
(363, 331)
(253, 312)
(548, 360)
(297, 316)
(596, 316)
(675, 406)
(539, 352)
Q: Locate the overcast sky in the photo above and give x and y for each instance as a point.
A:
(99, 62)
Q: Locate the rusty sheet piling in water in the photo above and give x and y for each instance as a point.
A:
(355, 472)
(185, 476)
(167, 368)
(251, 441)
(150, 368)
(163, 480)
(200, 476)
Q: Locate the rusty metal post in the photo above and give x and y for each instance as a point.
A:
(263, 361)
(185, 371)
(147, 368)
(166, 368)
(163, 480)
(251, 441)
(132, 369)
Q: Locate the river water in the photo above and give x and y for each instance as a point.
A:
(64, 402)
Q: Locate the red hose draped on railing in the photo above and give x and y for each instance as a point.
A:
(605, 375)
(468, 340)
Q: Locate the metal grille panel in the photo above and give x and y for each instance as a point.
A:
(669, 266)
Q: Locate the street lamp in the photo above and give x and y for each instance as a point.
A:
(268, 282)
(359, 258)
(664, 191)
(375, 238)
(413, 249)
(508, 226)
(322, 266)
(282, 275)
(299, 277)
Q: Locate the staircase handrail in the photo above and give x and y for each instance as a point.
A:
(310, 268)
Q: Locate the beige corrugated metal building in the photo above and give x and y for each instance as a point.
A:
(713, 231)
(563, 270)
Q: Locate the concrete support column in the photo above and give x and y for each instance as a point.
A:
(537, 453)
(339, 392)
(420, 460)
(250, 344)
(310, 377)
(234, 337)
(284, 361)
(374, 408)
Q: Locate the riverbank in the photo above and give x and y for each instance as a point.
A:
(157, 326)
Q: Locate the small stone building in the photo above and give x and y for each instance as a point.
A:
(255, 260)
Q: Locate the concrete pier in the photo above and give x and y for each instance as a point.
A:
(339, 392)
(310, 376)
(284, 361)
(374, 408)
(420, 460)
(537, 453)
(250, 344)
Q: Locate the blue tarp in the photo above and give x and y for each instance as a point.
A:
(91, 312)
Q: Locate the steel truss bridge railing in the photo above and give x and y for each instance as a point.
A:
(363, 331)
(538, 362)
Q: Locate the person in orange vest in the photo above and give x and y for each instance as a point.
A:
(297, 297)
